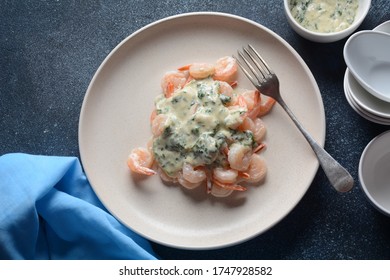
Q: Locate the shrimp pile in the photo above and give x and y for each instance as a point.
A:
(206, 130)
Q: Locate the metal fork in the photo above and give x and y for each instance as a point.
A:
(266, 81)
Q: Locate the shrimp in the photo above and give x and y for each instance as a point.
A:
(242, 102)
(149, 145)
(193, 175)
(259, 148)
(226, 69)
(237, 112)
(247, 124)
(140, 160)
(256, 126)
(266, 105)
(233, 187)
(225, 89)
(201, 70)
(251, 98)
(166, 178)
(226, 176)
(219, 191)
(173, 81)
(257, 169)
(185, 183)
(158, 124)
(239, 156)
(153, 115)
(259, 130)
(262, 107)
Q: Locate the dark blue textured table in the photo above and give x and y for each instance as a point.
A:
(50, 50)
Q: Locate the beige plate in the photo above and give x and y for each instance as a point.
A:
(115, 118)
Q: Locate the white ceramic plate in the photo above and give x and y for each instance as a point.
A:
(115, 118)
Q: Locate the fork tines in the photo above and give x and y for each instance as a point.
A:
(256, 65)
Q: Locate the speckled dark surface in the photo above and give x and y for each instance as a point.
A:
(50, 50)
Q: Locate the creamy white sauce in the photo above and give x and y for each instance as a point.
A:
(324, 16)
(198, 126)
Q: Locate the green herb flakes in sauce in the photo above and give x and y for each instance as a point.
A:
(324, 16)
(197, 128)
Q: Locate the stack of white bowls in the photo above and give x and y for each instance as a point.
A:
(365, 101)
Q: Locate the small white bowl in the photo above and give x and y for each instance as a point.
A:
(356, 106)
(367, 56)
(365, 100)
(364, 6)
(383, 27)
(374, 172)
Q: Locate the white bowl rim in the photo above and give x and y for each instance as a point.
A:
(360, 91)
(366, 150)
(378, 28)
(356, 75)
(341, 34)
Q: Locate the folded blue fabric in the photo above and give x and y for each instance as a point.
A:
(48, 210)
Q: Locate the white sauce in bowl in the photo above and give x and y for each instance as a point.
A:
(324, 16)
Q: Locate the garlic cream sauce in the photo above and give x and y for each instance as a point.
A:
(198, 125)
(324, 16)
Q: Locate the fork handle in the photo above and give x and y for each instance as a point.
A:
(338, 176)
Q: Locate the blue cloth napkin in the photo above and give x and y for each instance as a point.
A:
(48, 210)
